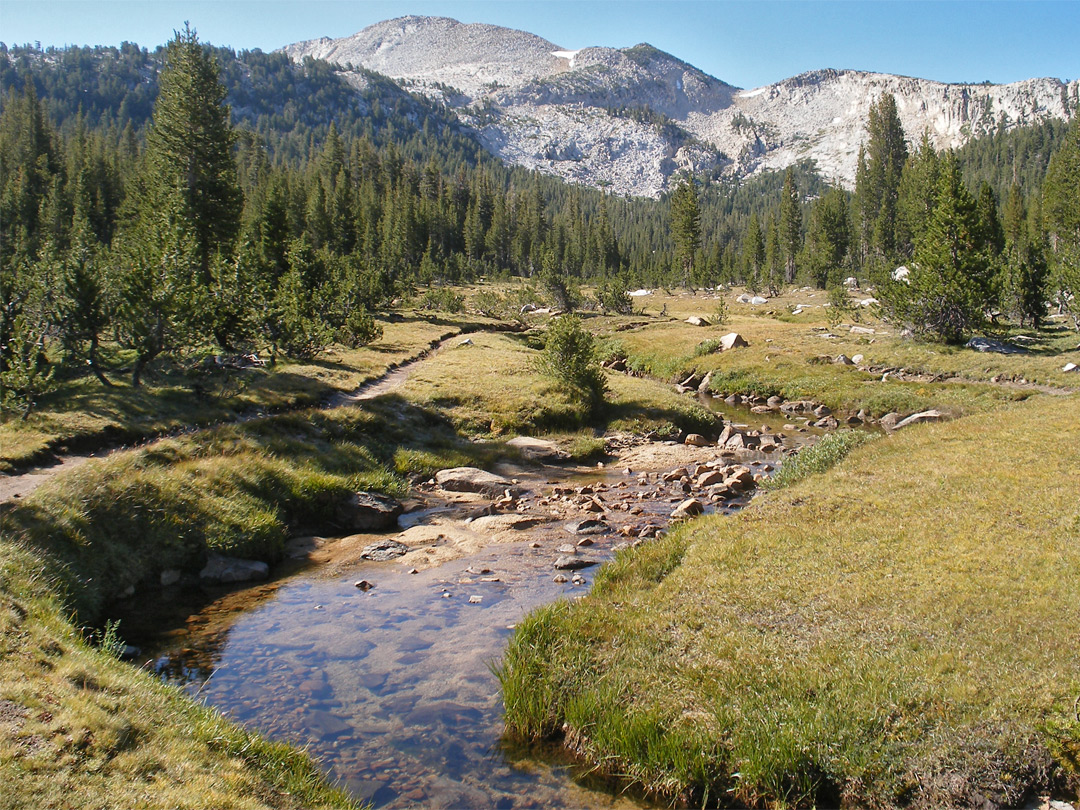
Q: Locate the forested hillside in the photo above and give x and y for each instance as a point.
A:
(194, 197)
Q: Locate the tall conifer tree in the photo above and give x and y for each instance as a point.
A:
(790, 225)
(686, 230)
(189, 151)
(877, 182)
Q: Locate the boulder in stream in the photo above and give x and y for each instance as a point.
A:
(588, 526)
(688, 508)
(569, 563)
(368, 512)
(472, 479)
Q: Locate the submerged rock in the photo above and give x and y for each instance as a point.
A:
(221, 569)
(170, 576)
(588, 526)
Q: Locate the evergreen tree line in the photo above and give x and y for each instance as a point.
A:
(155, 217)
(943, 259)
(143, 218)
(286, 110)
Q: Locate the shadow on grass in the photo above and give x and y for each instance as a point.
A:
(664, 422)
(240, 489)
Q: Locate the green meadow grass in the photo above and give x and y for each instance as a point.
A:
(899, 630)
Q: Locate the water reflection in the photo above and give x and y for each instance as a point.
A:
(391, 688)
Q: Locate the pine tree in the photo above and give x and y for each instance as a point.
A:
(685, 230)
(83, 310)
(1061, 209)
(1024, 272)
(28, 168)
(915, 202)
(790, 235)
(774, 259)
(877, 183)
(947, 288)
(189, 151)
(828, 238)
(160, 306)
(753, 255)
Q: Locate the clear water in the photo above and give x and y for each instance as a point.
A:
(391, 689)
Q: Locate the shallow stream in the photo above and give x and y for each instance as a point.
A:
(391, 688)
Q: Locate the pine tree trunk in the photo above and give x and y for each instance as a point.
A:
(94, 367)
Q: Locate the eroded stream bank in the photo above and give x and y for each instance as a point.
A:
(390, 688)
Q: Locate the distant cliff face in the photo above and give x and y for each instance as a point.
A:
(629, 119)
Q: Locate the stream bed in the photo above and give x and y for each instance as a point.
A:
(391, 688)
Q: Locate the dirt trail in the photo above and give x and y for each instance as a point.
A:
(19, 485)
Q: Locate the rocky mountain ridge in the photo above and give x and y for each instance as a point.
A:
(630, 119)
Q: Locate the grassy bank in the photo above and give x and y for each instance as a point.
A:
(490, 387)
(901, 630)
(81, 413)
(239, 490)
(80, 729)
(790, 356)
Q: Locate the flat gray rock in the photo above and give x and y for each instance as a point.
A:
(919, 418)
(472, 479)
(384, 550)
(568, 563)
(983, 344)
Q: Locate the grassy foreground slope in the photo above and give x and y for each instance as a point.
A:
(80, 729)
(902, 630)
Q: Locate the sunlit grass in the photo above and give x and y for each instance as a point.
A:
(82, 413)
(790, 357)
(901, 628)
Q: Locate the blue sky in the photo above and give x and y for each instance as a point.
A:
(745, 43)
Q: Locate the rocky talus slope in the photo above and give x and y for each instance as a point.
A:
(630, 119)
